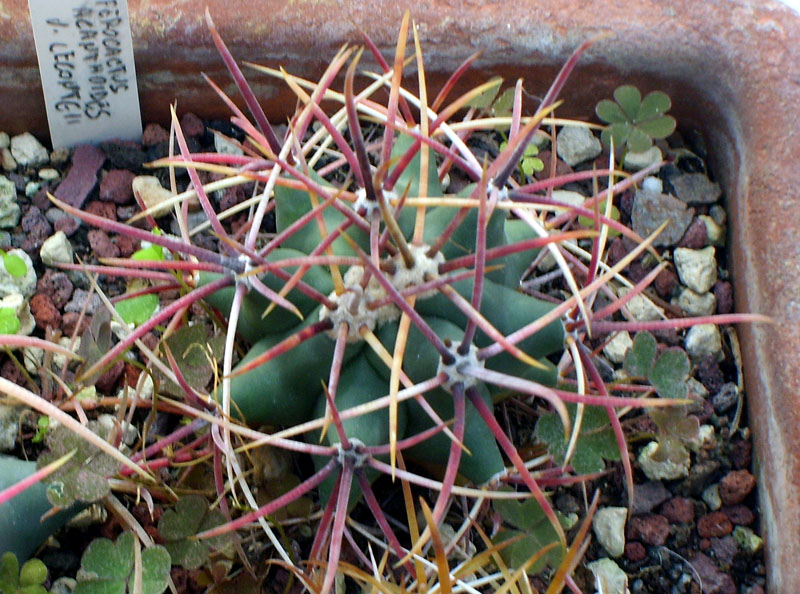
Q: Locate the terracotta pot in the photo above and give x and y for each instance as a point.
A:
(732, 68)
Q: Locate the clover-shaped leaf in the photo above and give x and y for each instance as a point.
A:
(530, 163)
(190, 516)
(596, 441)
(533, 530)
(675, 429)
(194, 352)
(667, 373)
(25, 580)
(107, 567)
(634, 121)
(84, 477)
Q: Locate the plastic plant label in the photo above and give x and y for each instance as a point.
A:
(85, 57)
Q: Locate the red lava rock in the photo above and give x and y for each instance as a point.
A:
(124, 154)
(70, 320)
(44, 312)
(724, 550)
(714, 524)
(126, 244)
(635, 551)
(616, 250)
(651, 529)
(150, 340)
(106, 210)
(37, 229)
(696, 236)
(82, 175)
(154, 134)
(665, 283)
(710, 374)
(714, 580)
(102, 245)
(67, 224)
(678, 510)
(40, 199)
(131, 375)
(56, 285)
(232, 197)
(741, 453)
(648, 496)
(735, 486)
(116, 186)
(741, 515)
(110, 377)
(191, 125)
(723, 291)
(561, 167)
(9, 371)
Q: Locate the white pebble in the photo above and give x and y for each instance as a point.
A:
(152, 193)
(697, 269)
(616, 348)
(609, 528)
(7, 159)
(703, 341)
(48, 174)
(636, 161)
(28, 151)
(657, 470)
(640, 307)
(56, 249)
(226, 147)
(608, 577)
(714, 232)
(712, 498)
(31, 188)
(653, 184)
(694, 304)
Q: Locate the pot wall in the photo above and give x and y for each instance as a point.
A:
(732, 68)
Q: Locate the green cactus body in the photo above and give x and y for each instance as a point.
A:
(283, 390)
(286, 389)
(252, 323)
(359, 383)
(421, 362)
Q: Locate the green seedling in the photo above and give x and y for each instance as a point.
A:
(84, 477)
(190, 516)
(27, 579)
(108, 567)
(530, 163)
(590, 222)
(137, 310)
(596, 442)
(42, 427)
(634, 122)
(9, 321)
(667, 372)
(14, 265)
